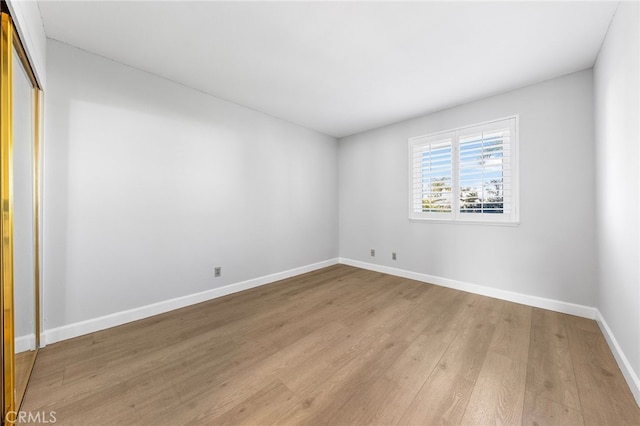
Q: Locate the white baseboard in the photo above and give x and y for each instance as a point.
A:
(25, 343)
(625, 366)
(96, 324)
(511, 296)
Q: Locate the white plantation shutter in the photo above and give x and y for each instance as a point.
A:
(468, 174)
(432, 176)
(485, 171)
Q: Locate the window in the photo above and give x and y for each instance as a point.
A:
(467, 175)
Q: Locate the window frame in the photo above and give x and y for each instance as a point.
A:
(512, 219)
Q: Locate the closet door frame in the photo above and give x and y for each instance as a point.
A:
(10, 40)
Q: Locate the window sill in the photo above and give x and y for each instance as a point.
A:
(465, 222)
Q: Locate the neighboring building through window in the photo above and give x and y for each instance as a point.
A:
(468, 174)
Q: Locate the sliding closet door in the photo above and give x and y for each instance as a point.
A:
(24, 225)
(19, 227)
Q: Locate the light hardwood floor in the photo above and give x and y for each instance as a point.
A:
(338, 346)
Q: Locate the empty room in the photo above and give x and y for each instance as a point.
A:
(320, 212)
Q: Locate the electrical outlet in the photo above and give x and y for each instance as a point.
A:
(393, 256)
(217, 271)
(373, 252)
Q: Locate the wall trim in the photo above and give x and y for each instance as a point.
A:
(623, 362)
(511, 296)
(25, 343)
(70, 331)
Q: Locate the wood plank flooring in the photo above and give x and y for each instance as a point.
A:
(338, 346)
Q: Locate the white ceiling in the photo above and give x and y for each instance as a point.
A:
(340, 67)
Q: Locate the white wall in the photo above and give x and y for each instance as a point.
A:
(26, 17)
(551, 254)
(616, 75)
(150, 184)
